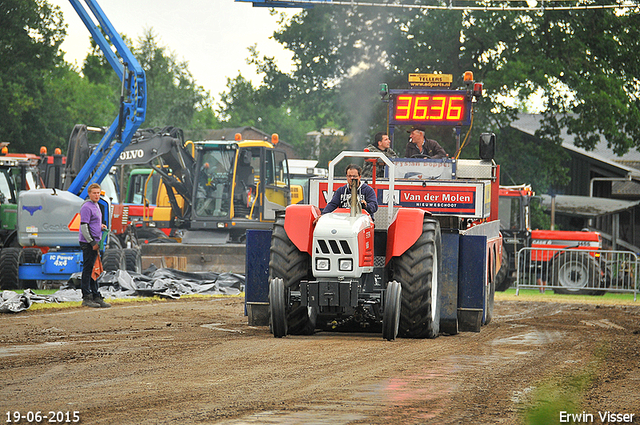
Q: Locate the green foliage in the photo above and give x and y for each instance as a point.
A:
(204, 119)
(30, 34)
(265, 108)
(581, 61)
(527, 159)
(172, 94)
(539, 219)
(97, 70)
(84, 101)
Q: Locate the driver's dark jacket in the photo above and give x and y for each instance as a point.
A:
(342, 199)
(430, 148)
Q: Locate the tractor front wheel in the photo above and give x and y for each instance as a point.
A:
(292, 266)
(10, 260)
(113, 260)
(391, 315)
(277, 307)
(132, 260)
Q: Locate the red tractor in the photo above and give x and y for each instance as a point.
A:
(560, 259)
(395, 276)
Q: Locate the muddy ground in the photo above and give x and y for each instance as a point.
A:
(197, 361)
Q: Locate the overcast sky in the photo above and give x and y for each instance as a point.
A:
(211, 35)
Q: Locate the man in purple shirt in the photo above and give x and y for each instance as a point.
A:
(91, 228)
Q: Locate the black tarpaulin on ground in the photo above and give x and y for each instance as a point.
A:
(168, 283)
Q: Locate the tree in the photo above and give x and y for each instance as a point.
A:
(583, 62)
(78, 101)
(30, 35)
(173, 95)
(527, 159)
(268, 107)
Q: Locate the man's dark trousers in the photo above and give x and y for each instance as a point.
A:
(89, 286)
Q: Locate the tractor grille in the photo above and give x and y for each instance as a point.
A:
(332, 246)
(125, 216)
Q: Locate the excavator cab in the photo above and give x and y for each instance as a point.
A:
(239, 186)
(213, 190)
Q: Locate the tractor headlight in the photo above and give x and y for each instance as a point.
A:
(322, 264)
(345, 264)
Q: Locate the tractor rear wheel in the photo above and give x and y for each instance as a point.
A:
(292, 266)
(575, 273)
(418, 270)
(391, 315)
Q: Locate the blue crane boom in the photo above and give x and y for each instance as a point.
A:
(133, 99)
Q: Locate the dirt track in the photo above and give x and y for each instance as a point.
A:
(196, 360)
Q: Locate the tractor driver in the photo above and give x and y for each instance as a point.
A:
(342, 196)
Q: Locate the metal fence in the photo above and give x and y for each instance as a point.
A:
(577, 271)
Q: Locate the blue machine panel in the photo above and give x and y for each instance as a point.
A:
(257, 266)
(54, 266)
(471, 287)
(449, 283)
(256, 290)
(62, 263)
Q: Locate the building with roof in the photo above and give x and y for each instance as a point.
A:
(604, 192)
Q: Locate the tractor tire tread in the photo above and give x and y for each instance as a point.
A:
(10, 260)
(413, 270)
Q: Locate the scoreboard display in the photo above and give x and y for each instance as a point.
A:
(430, 107)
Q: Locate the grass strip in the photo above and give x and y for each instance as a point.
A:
(610, 298)
(562, 393)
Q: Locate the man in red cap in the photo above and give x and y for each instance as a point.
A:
(422, 147)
